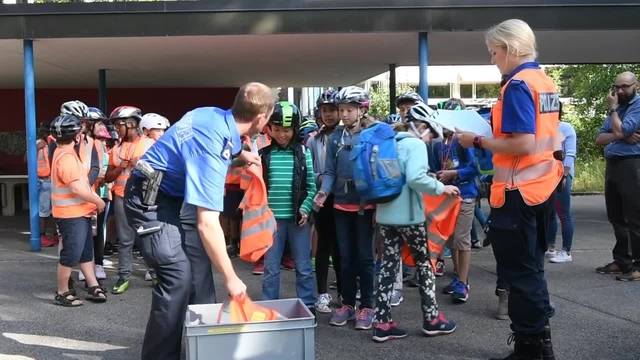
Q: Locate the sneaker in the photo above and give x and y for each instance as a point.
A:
(476, 244)
(447, 253)
(323, 303)
(342, 315)
(46, 241)
(460, 292)
(364, 319)
(562, 256)
(288, 264)
(80, 276)
(258, 268)
(396, 297)
(612, 268)
(149, 275)
(100, 273)
(551, 252)
(387, 331)
(632, 275)
(439, 271)
(120, 287)
(438, 326)
(448, 290)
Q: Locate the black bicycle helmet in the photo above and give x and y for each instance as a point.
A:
(286, 115)
(65, 127)
(95, 114)
(328, 97)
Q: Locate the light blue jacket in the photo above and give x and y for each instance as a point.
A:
(407, 209)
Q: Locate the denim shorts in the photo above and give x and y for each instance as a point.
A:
(77, 241)
(44, 195)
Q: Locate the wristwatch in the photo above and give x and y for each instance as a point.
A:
(611, 111)
(477, 142)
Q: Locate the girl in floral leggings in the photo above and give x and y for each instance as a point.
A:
(403, 219)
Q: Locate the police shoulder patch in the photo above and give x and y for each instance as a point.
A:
(549, 102)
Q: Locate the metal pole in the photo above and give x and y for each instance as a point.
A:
(102, 90)
(423, 61)
(392, 88)
(32, 165)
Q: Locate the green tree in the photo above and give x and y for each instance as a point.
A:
(379, 99)
(587, 85)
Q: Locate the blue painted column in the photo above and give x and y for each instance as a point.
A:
(32, 164)
(423, 61)
(392, 88)
(102, 90)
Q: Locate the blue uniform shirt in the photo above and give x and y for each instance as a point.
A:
(630, 116)
(195, 154)
(518, 109)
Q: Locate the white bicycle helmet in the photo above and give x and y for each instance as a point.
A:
(353, 95)
(74, 107)
(421, 112)
(153, 121)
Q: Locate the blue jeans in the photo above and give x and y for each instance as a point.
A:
(299, 239)
(355, 245)
(562, 208)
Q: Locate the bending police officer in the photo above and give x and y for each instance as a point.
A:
(192, 158)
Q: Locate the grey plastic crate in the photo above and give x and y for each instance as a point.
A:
(290, 339)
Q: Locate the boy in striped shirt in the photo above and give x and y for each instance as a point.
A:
(290, 180)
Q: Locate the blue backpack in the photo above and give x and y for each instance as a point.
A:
(376, 169)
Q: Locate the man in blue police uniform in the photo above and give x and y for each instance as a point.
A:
(189, 164)
(620, 136)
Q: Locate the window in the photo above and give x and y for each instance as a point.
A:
(486, 91)
(439, 91)
(466, 91)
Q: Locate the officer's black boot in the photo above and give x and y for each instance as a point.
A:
(547, 346)
(526, 347)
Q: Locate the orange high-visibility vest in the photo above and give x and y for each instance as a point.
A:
(64, 203)
(242, 310)
(259, 142)
(258, 222)
(441, 212)
(44, 169)
(535, 175)
(127, 151)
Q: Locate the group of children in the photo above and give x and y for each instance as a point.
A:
(84, 162)
(309, 178)
(308, 172)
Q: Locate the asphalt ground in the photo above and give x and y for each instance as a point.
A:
(597, 317)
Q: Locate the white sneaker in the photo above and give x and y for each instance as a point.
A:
(80, 276)
(100, 274)
(396, 297)
(551, 252)
(561, 257)
(148, 275)
(322, 305)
